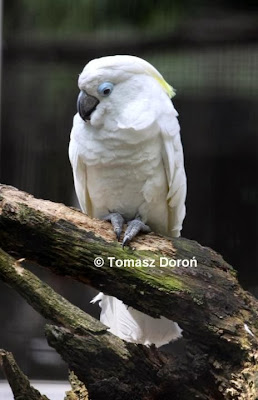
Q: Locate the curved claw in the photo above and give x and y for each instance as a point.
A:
(118, 233)
(134, 227)
(117, 222)
(125, 241)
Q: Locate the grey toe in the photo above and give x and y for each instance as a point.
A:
(117, 222)
(133, 228)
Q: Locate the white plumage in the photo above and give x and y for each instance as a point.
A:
(128, 158)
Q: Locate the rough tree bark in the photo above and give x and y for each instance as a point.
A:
(19, 383)
(219, 319)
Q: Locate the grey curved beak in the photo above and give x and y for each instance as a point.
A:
(86, 104)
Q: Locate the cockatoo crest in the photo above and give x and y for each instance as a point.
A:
(125, 65)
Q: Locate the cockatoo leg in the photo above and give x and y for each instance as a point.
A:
(117, 222)
(133, 228)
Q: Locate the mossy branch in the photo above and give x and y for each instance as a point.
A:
(20, 385)
(100, 359)
(218, 317)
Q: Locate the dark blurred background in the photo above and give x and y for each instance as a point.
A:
(209, 53)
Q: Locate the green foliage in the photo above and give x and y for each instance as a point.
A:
(59, 16)
(65, 17)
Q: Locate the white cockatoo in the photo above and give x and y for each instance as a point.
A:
(128, 168)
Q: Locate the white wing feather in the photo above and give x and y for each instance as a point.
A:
(134, 326)
(79, 172)
(173, 161)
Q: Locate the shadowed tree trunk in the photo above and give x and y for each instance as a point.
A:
(197, 288)
(19, 383)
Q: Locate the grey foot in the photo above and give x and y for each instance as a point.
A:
(117, 222)
(133, 228)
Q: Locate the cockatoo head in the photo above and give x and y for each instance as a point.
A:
(122, 89)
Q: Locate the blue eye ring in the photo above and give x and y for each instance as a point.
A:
(105, 89)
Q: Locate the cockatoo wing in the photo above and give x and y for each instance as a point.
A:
(173, 161)
(79, 170)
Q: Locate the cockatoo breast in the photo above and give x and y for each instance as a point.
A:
(125, 172)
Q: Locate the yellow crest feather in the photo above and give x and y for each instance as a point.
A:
(165, 86)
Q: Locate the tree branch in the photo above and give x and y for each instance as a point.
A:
(78, 391)
(104, 362)
(20, 385)
(218, 317)
(44, 299)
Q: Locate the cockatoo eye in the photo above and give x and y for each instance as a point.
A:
(105, 89)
